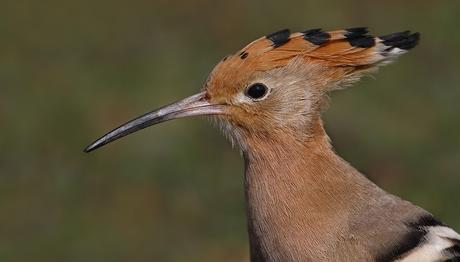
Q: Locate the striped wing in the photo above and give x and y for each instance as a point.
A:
(427, 240)
(440, 243)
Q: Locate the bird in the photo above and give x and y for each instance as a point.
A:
(303, 201)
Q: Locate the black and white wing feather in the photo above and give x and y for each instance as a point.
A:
(424, 239)
(440, 243)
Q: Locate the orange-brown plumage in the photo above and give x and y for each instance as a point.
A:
(336, 54)
(304, 202)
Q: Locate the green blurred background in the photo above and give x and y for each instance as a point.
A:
(72, 70)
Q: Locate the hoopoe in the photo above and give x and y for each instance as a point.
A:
(304, 202)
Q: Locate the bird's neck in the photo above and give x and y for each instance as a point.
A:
(298, 196)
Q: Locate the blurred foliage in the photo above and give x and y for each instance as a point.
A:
(71, 70)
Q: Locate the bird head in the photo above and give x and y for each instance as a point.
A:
(278, 83)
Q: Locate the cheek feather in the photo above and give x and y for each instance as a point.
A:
(240, 98)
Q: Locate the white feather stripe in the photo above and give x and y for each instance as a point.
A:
(437, 240)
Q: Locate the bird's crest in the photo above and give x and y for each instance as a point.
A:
(350, 51)
(349, 47)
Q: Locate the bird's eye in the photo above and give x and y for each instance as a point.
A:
(256, 91)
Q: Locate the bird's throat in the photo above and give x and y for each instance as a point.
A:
(298, 195)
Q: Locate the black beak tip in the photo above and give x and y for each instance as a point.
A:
(91, 148)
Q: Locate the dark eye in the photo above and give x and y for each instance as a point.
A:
(256, 91)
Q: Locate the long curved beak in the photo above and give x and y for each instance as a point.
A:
(194, 105)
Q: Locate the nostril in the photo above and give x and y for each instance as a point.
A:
(206, 96)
